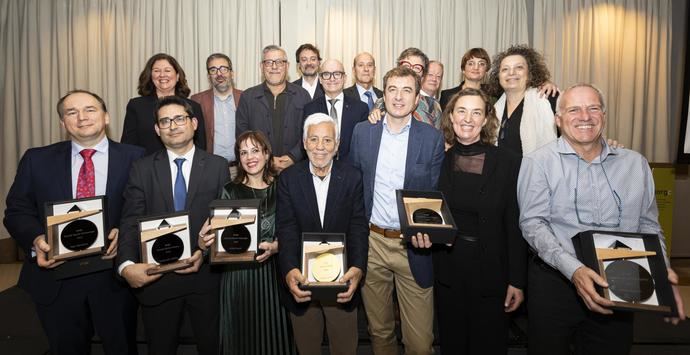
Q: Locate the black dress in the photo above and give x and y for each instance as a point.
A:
(472, 276)
(252, 319)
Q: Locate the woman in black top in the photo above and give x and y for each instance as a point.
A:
(480, 278)
(162, 76)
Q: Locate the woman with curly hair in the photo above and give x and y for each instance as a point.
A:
(527, 120)
(162, 76)
(479, 279)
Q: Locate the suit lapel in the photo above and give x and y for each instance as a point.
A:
(195, 176)
(375, 143)
(163, 179)
(64, 170)
(335, 188)
(414, 145)
(309, 193)
(115, 172)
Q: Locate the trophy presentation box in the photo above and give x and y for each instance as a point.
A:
(324, 262)
(425, 212)
(165, 242)
(634, 267)
(76, 228)
(237, 227)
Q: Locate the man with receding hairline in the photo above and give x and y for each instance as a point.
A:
(364, 70)
(88, 164)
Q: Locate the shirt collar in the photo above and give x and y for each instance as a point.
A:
(403, 130)
(101, 147)
(187, 156)
(313, 174)
(565, 148)
(362, 90)
(340, 97)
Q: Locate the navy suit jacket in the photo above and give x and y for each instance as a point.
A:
(149, 193)
(354, 111)
(297, 212)
(44, 175)
(425, 151)
(319, 88)
(140, 119)
(352, 92)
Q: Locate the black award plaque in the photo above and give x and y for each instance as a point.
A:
(79, 235)
(426, 216)
(629, 281)
(236, 239)
(167, 249)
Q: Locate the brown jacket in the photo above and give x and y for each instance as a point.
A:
(205, 99)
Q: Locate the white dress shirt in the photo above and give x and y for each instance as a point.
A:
(321, 189)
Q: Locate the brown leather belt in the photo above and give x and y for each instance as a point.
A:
(388, 233)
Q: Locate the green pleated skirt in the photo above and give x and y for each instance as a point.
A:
(252, 320)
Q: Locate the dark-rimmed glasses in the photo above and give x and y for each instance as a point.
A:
(327, 75)
(418, 68)
(221, 69)
(166, 122)
(268, 63)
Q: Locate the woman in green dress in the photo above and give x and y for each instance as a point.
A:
(252, 320)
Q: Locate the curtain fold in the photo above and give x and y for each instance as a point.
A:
(623, 47)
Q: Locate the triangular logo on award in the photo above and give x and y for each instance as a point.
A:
(74, 208)
(234, 214)
(164, 224)
(619, 245)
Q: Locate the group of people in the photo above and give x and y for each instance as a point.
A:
(324, 158)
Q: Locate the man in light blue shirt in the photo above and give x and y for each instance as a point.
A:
(398, 152)
(571, 185)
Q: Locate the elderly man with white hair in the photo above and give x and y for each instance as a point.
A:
(322, 195)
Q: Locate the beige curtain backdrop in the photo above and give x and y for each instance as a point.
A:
(623, 47)
(48, 47)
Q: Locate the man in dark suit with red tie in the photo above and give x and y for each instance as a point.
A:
(345, 110)
(179, 178)
(86, 165)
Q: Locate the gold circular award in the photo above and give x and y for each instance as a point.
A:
(325, 268)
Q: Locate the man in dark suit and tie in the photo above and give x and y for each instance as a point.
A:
(321, 195)
(86, 165)
(308, 62)
(179, 178)
(397, 152)
(364, 69)
(345, 110)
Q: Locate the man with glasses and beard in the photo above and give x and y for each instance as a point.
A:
(308, 63)
(574, 184)
(219, 106)
(275, 108)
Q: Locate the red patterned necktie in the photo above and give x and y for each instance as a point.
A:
(86, 182)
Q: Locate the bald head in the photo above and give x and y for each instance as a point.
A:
(332, 77)
(364, 68)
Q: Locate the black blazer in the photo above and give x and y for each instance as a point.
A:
(140, 119)
(149, 193)
(319, 88)
(297, 212)
(45, 175)
(354, 111)
(503, 250)
(352, 92)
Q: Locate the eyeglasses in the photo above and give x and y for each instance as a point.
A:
(616, 198)
(268, 63)
(327, 75)
(166, 122)
(418, 68)
(221, 69)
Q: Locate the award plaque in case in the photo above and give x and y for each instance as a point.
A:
(425, 212)
(324, 262)
(237, 227)
(76, 228)
(165, 242)
(634, 267)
